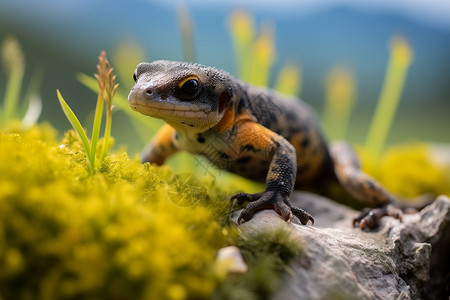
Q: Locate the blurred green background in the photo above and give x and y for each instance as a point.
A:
(65, 38)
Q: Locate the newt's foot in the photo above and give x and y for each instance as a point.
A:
(370, 218)
(270, 200)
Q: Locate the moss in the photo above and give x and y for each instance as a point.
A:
(66, 234)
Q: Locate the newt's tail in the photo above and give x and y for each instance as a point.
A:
(413, 205)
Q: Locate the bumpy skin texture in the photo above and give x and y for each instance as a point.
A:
(253, 132)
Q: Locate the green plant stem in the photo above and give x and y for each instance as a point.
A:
(387, 106)
(107, 135)
(186, 26)
(96, 127)
(12, 94)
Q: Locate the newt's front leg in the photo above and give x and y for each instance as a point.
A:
(258, 141)
(160, 147)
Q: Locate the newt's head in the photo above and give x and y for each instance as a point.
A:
(182, 94)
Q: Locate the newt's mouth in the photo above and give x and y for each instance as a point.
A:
(166, 109)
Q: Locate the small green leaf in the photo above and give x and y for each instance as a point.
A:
(75, 124)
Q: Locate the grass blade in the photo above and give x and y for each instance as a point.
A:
(75, 124)
(13, 61)
(12, 94)
(88, 81)
(241, 26)
(107, 134)
(96, 127)
(289, 80)
(340, 99)
(401, 58)
(186, 27)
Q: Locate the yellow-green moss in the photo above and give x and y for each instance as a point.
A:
(65, 234)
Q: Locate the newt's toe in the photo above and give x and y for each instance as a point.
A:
(270, 200)
(302, 215)
(370, 218)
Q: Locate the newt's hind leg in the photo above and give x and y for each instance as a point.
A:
(363, 187)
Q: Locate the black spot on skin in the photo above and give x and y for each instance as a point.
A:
(291, 116)
(276, 143)
(243, 160)
(305, 142)
(224, 156)
(190, 125)
(200, 139)
(243, 170)
(248, 148)
(177, 136)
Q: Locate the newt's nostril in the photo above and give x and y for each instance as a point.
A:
(148, 92)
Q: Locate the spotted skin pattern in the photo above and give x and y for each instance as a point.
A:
(253, 132)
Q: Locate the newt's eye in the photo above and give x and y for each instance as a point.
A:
(188, 88)
(134, 76)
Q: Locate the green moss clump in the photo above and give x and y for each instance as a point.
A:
(66, 234)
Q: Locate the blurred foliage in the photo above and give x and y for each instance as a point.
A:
(401, 58)
(408, 170)
(289, 80)
(186, 28)
(340, 99)
(256, 54)
(13, 62)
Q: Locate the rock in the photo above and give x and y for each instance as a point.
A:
(230, 258)
(398, 260)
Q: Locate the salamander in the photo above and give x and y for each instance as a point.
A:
(254, 132)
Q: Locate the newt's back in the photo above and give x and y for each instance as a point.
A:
(294, 120)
